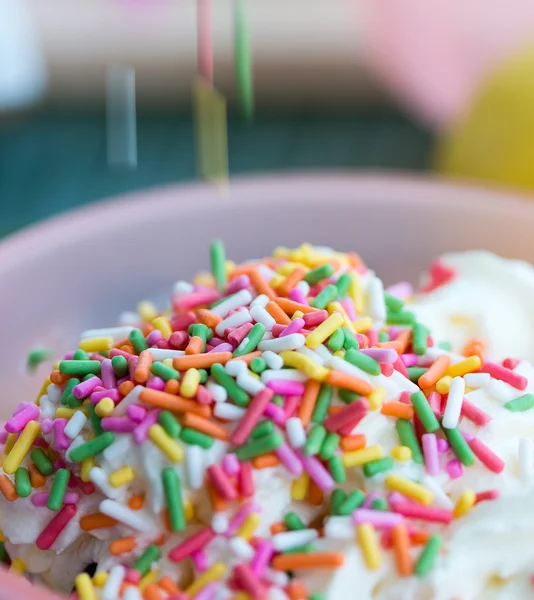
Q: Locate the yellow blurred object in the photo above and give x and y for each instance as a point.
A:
(494, 140)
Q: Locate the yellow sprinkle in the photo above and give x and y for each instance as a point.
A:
(167, 362)
(64, 412)
(304, 364)
(409, 488)
(97, 344)
(84, 587)
(229, 266)
(340, 353)
(465, 366)
(369, 545)
(22, 447)
(276, 281)
(163, 324)
(100, 578)
(147, 311)
(362, 325)
(249, 526)
(87, 465)
(2, 537)
(443, 385)
(362, 456)
(355, 292)
(204, 278)
(214, 573)
(121, 476)
(254, 375)
(299, 487)
(18, 566)
(10, 442)
(337, 307)
(298, 314)
(241, 596)
(324, 330)
(376, 398)
(43, 390)
(55, 366)
(286, 268)
(105, 407)
(150, 577)
(166, 444)
(190, 383)
(189, 509)
(465, 503)
(401, 453)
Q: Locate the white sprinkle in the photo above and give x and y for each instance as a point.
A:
(218, 393)
(219, 522)
(110, 591)
(182, 288)
(309, 353)
(289, 342)
(340, 364)
(133, 518)
(98, 476)
(150, 457)
(250, 384)
(291, 539)
(194, 466)
(339, 528)
(239, 299)
(452, 411)
(278, 578)
(75, 424)
(234, 320)
(276, 593)
(435, 352)
(285, 374)
(295, 432)
(76, 443)
(229, 412)
(160, 354)
(261, 300)
(477, 380)
(500, 390)
(323, 352)
(440, 497)
(132, 593)
(116, 333)
(266, 272)
(304, 287)
(241, 548)
(47, 408)
(54, 393)
(273, 360)
(114, 454)
(377, 305)
(130, 398)
(235, 367)
(129, 317)
(260, 315)
(526, 457)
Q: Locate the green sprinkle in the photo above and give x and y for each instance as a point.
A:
(95, 420)
(144, 562)
(238, 395)
(336, 500)
(258, 365)
(363, 362)
(419, 337)
(336, 340)
(324, 397)
(348, 396)
(424, 412)
(460, 446)
(317, 596)
(305, 548)
(38, 356)
(138, 341)
(293, 522)
(444, 345)
(383, 336)
(67, 399)
(59, 488)
(324, 297)
(87, 377)
(260, 446)
(337, 470)
(44, 465)
(381, 465)
(253, 338)
(350, 339)
(4, 557)
(200, 330)
(379, 504)
(278, 400)
(203, 375)
(263, 428)
(428, 555)
(323, 272)
(329, 445)
(80, 355)
(173, 496)
(196, 438)
(392, 303)
(408, 438)
(120, 365)
(22, 482)
(354, 500)
(164, 371)
(243, 62)
(93, 447)
(415, 372)
(525, 402)
(343, 284)
(218, 264)
(80, 367)
(400, 318)
(315, 440)
(168, 421)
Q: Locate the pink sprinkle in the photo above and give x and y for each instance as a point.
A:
(195, 542)
(224, 347)
(289, 459)
(318, 473)
(4, 435)
(443, 446)
(510, 363)
(413, 510)
(395, 497)
(68, 356)
(164, 345)
(277, 329)
(506, 375)
(430, 450)
(347, 415)
(386, 369)
(222, 482)
(113, 394)
(291, 405)
(245, 481)
(208, 592)
(17, 423)
(21, 407)
(370, 498)
(297, 295)
(255, 410)
(385, 355)
(133, 576)
(154, 337)
(295, 326)
(474, 413)
(237, 335)
(215, 341)
(394, 331)
(240, 516)
(454, 468)
(236, 285)
(85, 388)
(97, 356)
(378, 518)
(182, 322)
(107, 374)
(348, 306)
(286, 387)
(275, 412)
(314, 318)
(132, 365)
(116, 352)
(405, 398)
(399, 366)
(486, 456)
(140, 433)
(409, 360)
(402, 290)
(249, 582)
(487, 495)
(231, 464)
(190, 301)
(204, 396)
(121, 424)
(58, 523)
(178, 339)
(41, 499)
(372, 336)
(62, 441)
(136, 413)
(262, 558)
(434, 399)
(363, 340)
(200, 560)
(156, 383)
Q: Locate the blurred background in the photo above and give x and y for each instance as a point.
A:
(444, 87)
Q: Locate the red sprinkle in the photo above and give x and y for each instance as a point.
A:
(425, 513)
(504, 374)
(191, 544)
(486, 456)
(51, 532)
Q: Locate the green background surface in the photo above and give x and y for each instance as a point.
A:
(53, 161)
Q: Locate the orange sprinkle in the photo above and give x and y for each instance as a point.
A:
(419, 538)
(96, 521)
(353, 442)
(277, 527)
(355, 259)
(37, 479)
(8, 489)
(401, 343)
(307, 560)
(173, 403)
(207, 318)
(122, 545)
(315, 494)
(201, 361)
(142, 370)
(290, 306)
(260, 285)
(58, 378)
(127, 348)
(397, 409)
(161, 540)
(172, 386)
(354, 384)
(248, 358)
(333, 410)
(168, 585)
(265, 461)
(194, 346)
(401, 550)
(147, 328)
(296, 590)
(308, 401)
(291, 280)
(474, 347)
(218, 504)
(435, 372)
(136, 502)
(121, 343)
(277, 313)
(245, 269)
(126, 387)
(208, 427)
(124, 586)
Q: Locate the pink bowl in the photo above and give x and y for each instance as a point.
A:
(81, 269)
